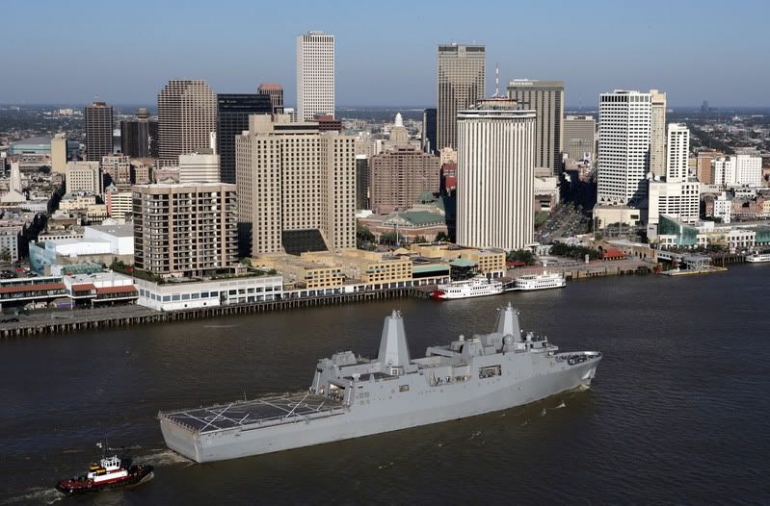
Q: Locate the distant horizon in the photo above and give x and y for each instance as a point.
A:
(127, 52)
(567, 108)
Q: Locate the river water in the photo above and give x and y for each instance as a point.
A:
(677, 414)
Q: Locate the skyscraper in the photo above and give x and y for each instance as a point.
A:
(293, 178)
(187, 114)
(315, 75)
(658, 134)
(546, 98)
(677, 196)
(580, 137)
(495, 175)
(624, 146)
(98, 117)
(678, 152)
(429, 131)
(139, 136)
(461, 82)
(275, 92)
(233, 112)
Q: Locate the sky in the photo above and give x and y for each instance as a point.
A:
(125, 52)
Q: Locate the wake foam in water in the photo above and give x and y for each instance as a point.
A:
(35, 496)
(163, 457)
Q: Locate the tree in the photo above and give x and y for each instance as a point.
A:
(442, 237)
(521, 255)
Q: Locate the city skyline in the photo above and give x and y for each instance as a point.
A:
(385, 58)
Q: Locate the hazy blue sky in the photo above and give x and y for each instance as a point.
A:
(125, 51)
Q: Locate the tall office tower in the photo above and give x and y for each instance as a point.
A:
(678, 151)
(233, 111)
(139, 136)
(580, 138)
(461, 82)
(84, 176)
(428, 140)
(400, 176)
(187, 114)
(546, 98)
(275, 92)
(315, 75)
(624, 146)
(199, 167)
(677, 196)
(59, 154)
(496, 175)
(188, 229)
(658, 134)
(293, 180)
(98, 117)
(118, 167)
(363, 182)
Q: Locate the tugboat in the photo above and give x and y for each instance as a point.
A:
(110, 473)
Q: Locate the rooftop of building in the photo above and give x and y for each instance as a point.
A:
(33, 140)
(126, 230)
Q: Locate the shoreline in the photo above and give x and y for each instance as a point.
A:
(52, 323)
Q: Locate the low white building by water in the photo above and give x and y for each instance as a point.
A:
(185, 293)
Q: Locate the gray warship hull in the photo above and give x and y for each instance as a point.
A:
(353, 397)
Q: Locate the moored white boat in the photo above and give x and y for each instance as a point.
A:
(541, 281)
(758, 258)
(478, 286)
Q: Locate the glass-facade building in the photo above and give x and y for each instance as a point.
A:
(233, 111)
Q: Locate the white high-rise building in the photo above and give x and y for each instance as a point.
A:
(495, 175)
(677, 196)
(315, 75)
(624, 146)
(737, 170)
(658, 133)
(678, 151)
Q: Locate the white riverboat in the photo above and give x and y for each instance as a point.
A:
(543, 281)
(758, 258)
(478, 286)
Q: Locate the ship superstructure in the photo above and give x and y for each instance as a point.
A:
(351, 396)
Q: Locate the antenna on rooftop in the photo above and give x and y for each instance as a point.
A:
(497, 79)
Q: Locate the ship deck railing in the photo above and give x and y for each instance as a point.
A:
(255, 414)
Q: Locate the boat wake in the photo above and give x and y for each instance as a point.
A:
(35, 495)
(160, 458)
(220, 326)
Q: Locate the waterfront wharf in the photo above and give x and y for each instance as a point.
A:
(76, 320)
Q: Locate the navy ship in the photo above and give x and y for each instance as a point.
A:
(352, 396)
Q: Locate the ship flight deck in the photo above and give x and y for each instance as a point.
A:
(255, 414)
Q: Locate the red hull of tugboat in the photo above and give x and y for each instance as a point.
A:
(83, 485)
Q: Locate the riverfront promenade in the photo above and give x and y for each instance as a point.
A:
(52, 322)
